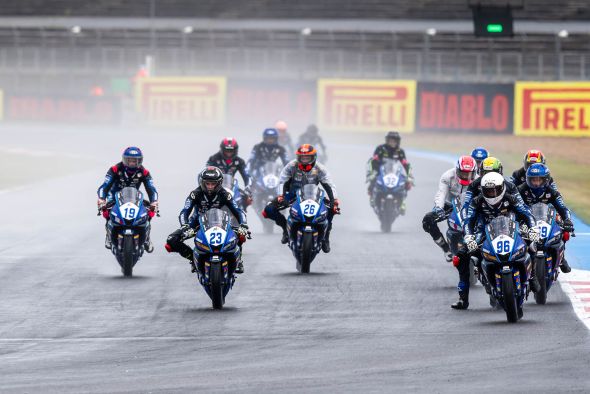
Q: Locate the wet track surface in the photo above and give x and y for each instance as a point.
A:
(373, 316)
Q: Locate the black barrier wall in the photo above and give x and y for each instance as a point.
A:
(469, 107)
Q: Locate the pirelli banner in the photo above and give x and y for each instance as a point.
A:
(467, 107)
(181, 101)
(552, 109)
(366, 105)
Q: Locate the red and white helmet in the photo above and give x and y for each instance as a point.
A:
(465, 170)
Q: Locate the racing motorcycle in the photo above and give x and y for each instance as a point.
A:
(265, 190)
(307, 224)
(506, 265)
(215, 242)
(232, 185)
(455, 236)
(550, 249)
(128, 226)
(389, 192)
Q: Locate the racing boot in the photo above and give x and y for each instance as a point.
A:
(565, 267)
(239, 266)
(326, 243)
(285, 238)
(463, 302)
(402, 209)
(107, 241)
(445, 247)
(147, 245)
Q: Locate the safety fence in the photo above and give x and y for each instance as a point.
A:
(358, 105)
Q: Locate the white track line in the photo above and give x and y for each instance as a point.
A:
(576, 285)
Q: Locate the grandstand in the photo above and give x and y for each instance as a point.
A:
(220, 36)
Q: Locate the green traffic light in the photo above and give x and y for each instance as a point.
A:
(495, 28)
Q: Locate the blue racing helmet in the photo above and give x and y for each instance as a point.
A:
(132, 158)
(537, 178)
(479, 155)
(270, 133)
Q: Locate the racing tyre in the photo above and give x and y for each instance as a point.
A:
(216, 286)
(387, 215)
(128, 251)
(509, 296)
(541, 295)
(306, 253)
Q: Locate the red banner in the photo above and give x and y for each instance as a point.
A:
(95, 110)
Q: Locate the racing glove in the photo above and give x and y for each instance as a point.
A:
(534, 234)
(101, 203)
(336, 207)
(524, 229)
(243, 233)
(470, 243)
(280, 198)
(187, 231)
(568, 226)
(439, 213)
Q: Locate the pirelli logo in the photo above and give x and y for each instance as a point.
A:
(182, 101)
(366, 105)
(552, 108)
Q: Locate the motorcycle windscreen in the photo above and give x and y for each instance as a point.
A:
(271, 167)
(310, 192)
(228, 182)
(215, 218)
(130, 194)
(502, 225)
(541, 212)
(391, 166)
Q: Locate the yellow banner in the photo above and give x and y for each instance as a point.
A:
(181, 101)
(366, 105)
(559, 109)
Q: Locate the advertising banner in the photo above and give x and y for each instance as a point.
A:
(67, 109)
(262, 102)
(182, 101)
(552, 109)
(470, 107)
(366, 105)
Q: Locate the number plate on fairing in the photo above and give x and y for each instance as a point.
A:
(390, 180)
(215, 236)
(129, 211)
(309, 208)
(544, 228)
(503, 244)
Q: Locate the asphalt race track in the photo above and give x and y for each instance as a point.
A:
(373, 316)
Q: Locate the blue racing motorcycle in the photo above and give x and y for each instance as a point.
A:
(128, 227)
(389, 192)
(506, 265)
(265, 189)
(455, 234)
(307, 224)
(549, 249)
(215, 243)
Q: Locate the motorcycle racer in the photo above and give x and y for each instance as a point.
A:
(228, 161)
(209, 194)
(452, 184)
(129, 172)
(537, 189)
(493, 201)
(299, 172)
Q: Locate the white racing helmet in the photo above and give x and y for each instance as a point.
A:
(493, 188)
